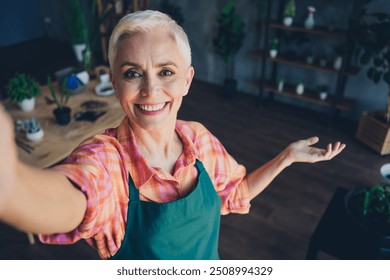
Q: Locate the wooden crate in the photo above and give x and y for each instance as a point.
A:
(374, 133)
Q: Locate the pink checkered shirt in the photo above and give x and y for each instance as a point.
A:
(100, 167)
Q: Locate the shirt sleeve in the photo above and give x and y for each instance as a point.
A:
(228, 176)
(97, 169)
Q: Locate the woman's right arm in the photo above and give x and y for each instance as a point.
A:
(31, 199)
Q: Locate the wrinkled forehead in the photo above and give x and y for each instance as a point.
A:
(154, 44)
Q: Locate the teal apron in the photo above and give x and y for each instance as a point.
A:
(185, 229)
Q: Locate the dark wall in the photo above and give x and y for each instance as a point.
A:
(19, 21)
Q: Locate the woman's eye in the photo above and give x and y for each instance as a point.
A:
(166, 73)
(131, 74)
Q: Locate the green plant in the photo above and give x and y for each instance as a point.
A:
(372, 33)
(21, 87)
(289, 9)
(29, 125)
(76, 23)
(62, 98)
(371, 206)
(323, 88)
(230, 35)
(274, 44)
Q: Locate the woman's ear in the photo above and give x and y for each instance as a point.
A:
(189, 76)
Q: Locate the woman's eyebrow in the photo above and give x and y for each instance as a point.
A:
(136, 65)
(168, 63)
(130, 63)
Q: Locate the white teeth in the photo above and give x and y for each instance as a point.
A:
(151, 108)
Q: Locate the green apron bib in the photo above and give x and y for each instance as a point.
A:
(185, 229)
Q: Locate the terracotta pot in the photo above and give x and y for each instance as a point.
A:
(62, 115)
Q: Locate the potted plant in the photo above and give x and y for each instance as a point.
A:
(373, 50)
(62, 113)
(77, 28)
(273, 48)
(33, 129)
(300, 88)
(309, 56)
(370, 207)
(228, 41)
(23, 89)
(323, 91)
(289, 13)
(323, 59)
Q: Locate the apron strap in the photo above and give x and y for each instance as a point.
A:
(134, 192)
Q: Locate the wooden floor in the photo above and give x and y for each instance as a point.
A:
(285, 215)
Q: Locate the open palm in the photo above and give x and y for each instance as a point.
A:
(302, 150)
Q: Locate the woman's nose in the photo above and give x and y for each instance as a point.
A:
(150, 85)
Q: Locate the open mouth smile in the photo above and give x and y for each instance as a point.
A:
(152, 108)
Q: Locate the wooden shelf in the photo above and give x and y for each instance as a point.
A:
(321, 31)
(310, 95)
(300, 63)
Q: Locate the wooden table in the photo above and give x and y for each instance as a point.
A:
(59, 141)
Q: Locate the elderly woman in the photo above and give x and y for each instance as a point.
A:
(154, 187)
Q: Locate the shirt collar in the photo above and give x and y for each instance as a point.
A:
(139, 169)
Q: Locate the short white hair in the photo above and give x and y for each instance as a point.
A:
(146, 21)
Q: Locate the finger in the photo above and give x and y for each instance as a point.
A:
(336, 146)
(328, 151)
(312, 140)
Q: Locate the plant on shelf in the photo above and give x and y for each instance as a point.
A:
(323, 91)
(370, 207)
(289, 13)
(23, 89)
(228, 41)
(372, 49)
(309, 56)
(62, 112)
(373, 46)
(77, 28)
(309, 22)
(273, 47)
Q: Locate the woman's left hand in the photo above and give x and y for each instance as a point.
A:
(302, 151)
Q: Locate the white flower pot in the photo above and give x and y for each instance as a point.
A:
(323, 95)
(338, 62)
(83, 77)
(287, 21)
(309, 22)
(78, 50)
(35, 136)
(309, 60)
(27, 104)
(118, 7)
(280, 85)
(104, 78)
(273, 53)
(323, 62)
(300, 89)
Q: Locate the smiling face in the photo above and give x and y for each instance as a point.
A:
(150, 78)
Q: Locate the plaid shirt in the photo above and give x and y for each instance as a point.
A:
(100, 167)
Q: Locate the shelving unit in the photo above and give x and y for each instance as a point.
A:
(335, 102)
(113, 18)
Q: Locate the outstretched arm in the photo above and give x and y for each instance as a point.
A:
(300, 151)
(34, 200)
